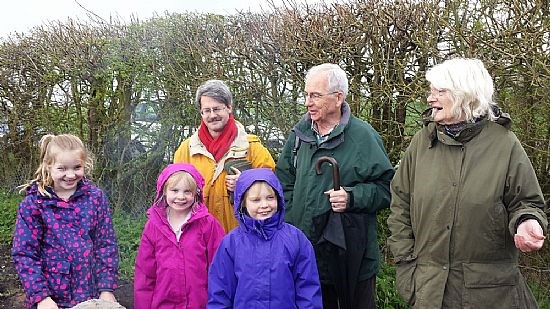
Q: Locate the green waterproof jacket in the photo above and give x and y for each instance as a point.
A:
(365, 173)
(456, 204)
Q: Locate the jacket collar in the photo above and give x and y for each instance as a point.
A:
(238, 149)
(303, 129)
(82, 188)
(436, 132)
(196, 146)
(158, 217)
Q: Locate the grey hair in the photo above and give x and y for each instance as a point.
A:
(337, 78)
(469, 84)
(215, 89)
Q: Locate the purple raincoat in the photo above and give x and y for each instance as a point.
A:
(169, 273)
(65, 250)
(263, 263)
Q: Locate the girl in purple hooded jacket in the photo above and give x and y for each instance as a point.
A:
(64, 245)
(264, 262)
(178, 243)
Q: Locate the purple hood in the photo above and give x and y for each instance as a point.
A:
(268, 226)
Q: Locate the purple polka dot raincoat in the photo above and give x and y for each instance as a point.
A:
(65, 250)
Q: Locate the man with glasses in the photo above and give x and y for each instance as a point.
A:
(219, 149)
(340, 223)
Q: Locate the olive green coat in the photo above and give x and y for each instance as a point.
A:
(455, 207)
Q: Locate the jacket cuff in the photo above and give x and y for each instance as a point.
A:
(106, 290)
(38, 297)
(524, 218)
(350, 196)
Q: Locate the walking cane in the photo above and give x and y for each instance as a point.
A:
(338, 238)
(335, 170)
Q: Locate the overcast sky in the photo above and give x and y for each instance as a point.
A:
(22, 15)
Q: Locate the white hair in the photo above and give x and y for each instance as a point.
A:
(469, 84)
(337, 78)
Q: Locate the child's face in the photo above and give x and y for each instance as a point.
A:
(180, 197)
(67, 171)
(260, 201)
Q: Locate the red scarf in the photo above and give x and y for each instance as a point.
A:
(220, 145)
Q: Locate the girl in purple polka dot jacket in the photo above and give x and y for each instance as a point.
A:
(64, 245)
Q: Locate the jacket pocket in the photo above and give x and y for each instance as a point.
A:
(58, 275)
(498, 224)
(405, 282)
(492, 285)
(171, 283)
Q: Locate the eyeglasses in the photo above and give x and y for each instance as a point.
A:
(436, 93)
(215, 110)
(314, 96)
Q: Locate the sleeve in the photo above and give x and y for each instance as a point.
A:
(145, 270)
(106, 249)
(259, 156)
(373, 192)
(222, 282)
(401, 240)
(26, 250)
(522, 194)
(285, 170)
(214, 237)
(306, 276)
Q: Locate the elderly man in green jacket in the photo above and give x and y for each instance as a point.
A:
(340, 222)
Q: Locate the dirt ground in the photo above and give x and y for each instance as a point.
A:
(12, 296)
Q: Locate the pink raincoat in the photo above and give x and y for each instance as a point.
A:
(171, 273)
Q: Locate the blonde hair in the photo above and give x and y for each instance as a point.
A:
(187, 178)
(50, 146)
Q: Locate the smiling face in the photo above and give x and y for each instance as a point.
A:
(442, 106)
(180, 191)
(66, 171)
(260, 201)
(326, 107)
(215, 114)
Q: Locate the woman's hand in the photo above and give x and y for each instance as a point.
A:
(529, 236)
(47, 303)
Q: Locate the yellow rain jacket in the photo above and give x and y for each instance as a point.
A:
(245, 146)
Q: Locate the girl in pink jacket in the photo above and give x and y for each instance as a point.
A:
(178, 243)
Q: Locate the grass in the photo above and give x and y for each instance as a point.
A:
(8, 213)
(541, 294)
(128, 229)
(386, 294)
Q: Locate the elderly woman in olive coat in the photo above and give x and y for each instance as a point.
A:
(465, 198)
